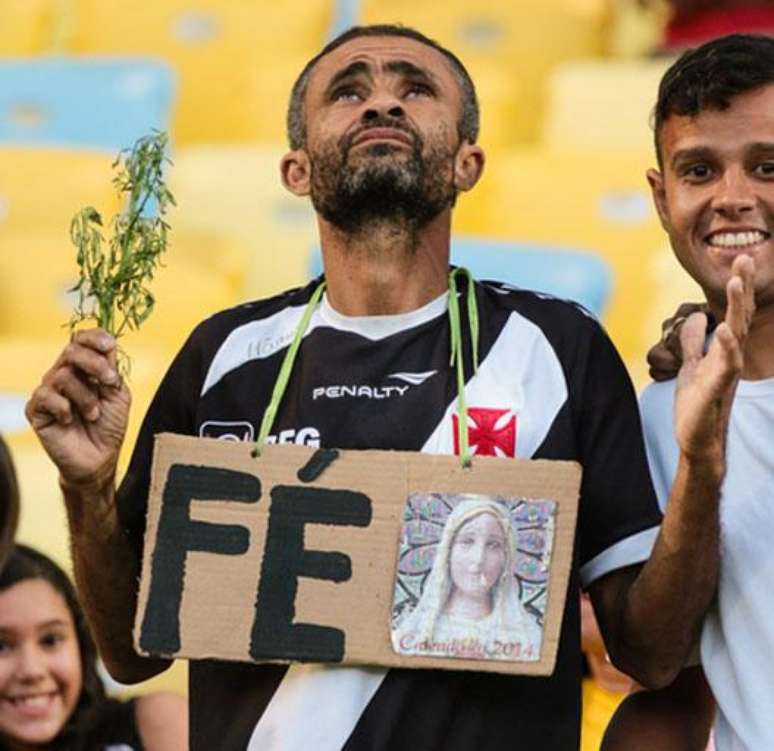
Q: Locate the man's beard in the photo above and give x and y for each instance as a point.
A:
(386, 185)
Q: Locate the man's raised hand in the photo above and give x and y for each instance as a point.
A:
(707, 382)
(80, 410)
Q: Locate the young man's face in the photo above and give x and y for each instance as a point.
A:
(382, 119)
(715, 196)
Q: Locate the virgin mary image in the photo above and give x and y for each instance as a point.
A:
(470, 606)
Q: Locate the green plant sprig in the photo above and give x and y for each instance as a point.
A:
(113, 279)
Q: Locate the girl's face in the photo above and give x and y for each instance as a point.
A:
(40, 663)
(478, 556)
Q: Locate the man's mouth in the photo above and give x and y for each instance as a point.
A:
(382, 134)
(737, 239)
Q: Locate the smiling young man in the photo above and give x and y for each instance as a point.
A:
(382, 127)
(714, 192)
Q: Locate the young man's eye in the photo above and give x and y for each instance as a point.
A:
(697, 172)
(766, 169)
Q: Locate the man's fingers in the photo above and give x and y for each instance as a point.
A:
(727, 348)
(740, 300)
(47, 406)
(662, 364)
(82, 396)
(692, 335)
(90, 363)
(96, 339)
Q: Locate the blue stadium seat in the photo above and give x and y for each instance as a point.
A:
(97, 103)
(566, 273)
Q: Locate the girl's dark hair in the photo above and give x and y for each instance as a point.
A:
(9, 500)
(710, 76)
(23, 564)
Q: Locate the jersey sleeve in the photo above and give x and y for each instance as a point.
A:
(172, 410)
(619, 513)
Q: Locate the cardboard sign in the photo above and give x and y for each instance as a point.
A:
(389, 558)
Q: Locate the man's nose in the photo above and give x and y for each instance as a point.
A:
(735, 194)
(383, 104)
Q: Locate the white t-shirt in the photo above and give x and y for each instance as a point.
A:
(737, 641)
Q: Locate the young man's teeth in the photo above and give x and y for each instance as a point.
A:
(736, 239)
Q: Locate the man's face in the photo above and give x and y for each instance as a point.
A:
(716, 194)
(382, 116)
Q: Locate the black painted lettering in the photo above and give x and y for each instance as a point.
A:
(285, 558)
(178, 534)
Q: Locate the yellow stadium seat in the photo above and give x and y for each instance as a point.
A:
(26, 26)
(596, 200)
(47, 186)
(235, 191)
(38, 268)
(602, 104)
(235, 61)
(508, 46)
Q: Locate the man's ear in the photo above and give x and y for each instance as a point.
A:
(656, 182)
(468, 165)
(296, 172)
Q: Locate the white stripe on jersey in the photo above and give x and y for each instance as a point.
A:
(256, 340)
(521, 361)
(315, 707)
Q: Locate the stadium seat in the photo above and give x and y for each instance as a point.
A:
(26, 26)
(602, 104)
(235, 60)
(38, 270)
(235, 192)
(566, 273)
(46, 186)
(509, 46)
(588, 199)
(91, 103)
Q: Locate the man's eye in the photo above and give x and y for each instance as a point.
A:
(697, 172)
(418, 89)
(346, 95)
(766, 169)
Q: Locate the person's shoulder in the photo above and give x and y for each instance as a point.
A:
(550, 313)
(212, 331)
(657, 398)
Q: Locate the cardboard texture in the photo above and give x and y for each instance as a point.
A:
(321, 586)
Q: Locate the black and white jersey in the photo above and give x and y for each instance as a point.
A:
(550, 385)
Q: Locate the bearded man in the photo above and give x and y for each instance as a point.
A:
(383, 126)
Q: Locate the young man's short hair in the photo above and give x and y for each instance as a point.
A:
(468, 124)
(710, 76)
